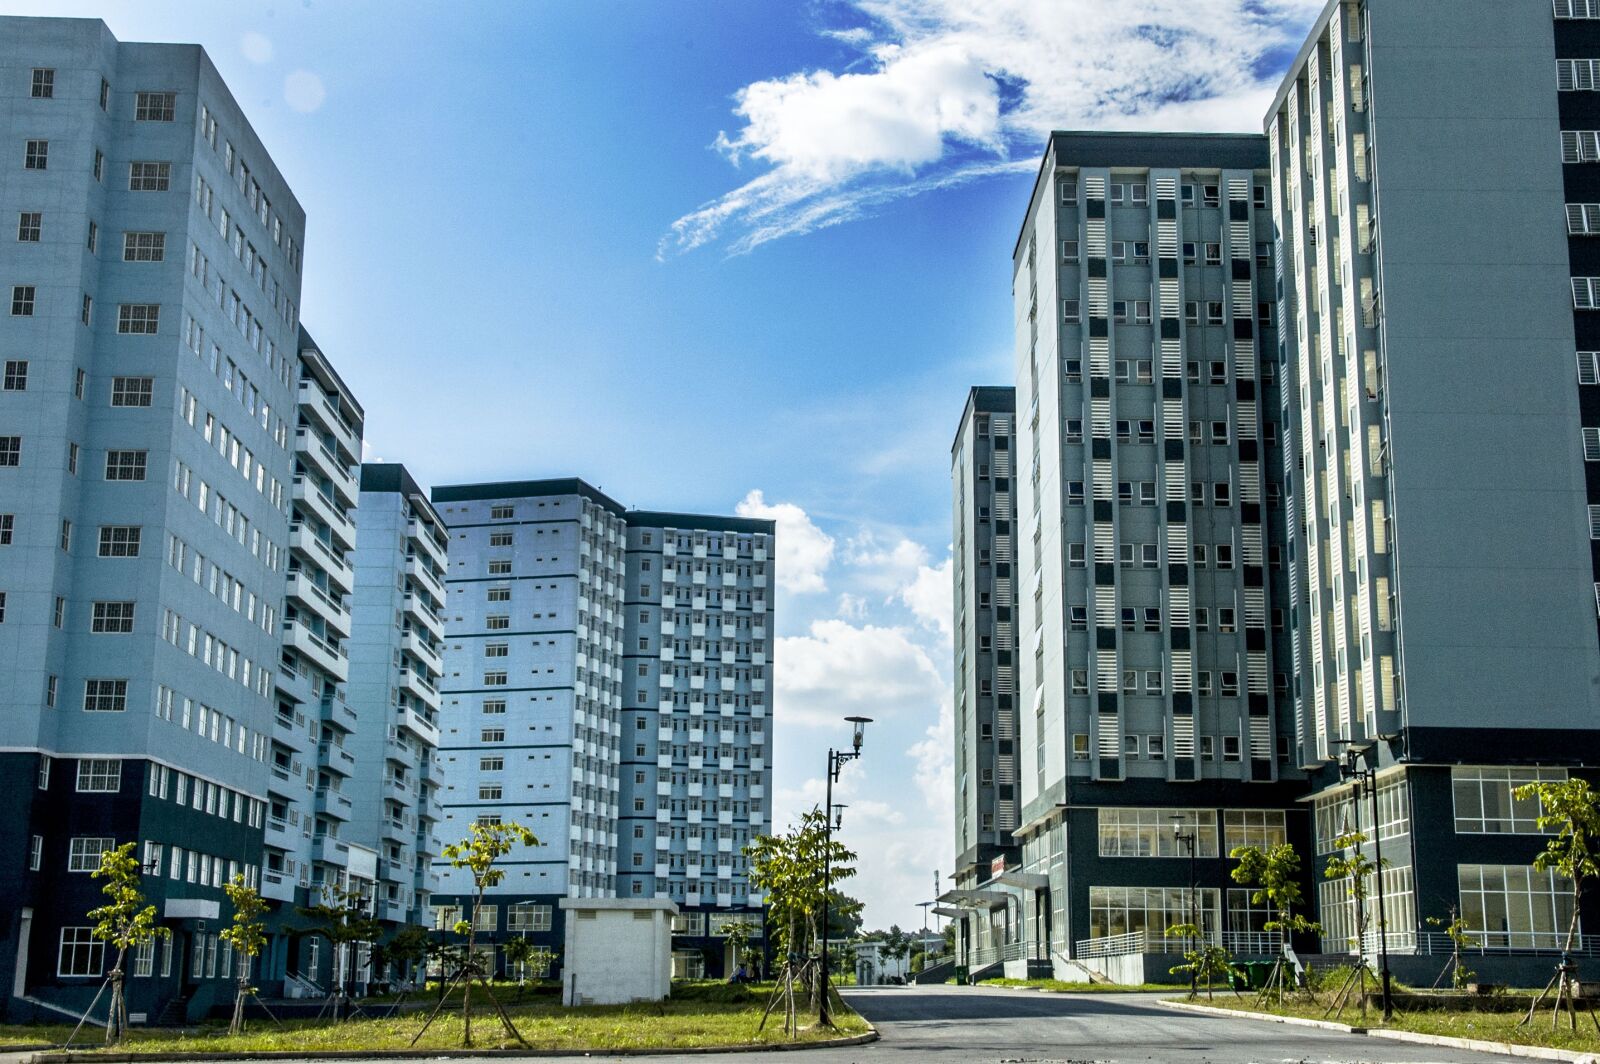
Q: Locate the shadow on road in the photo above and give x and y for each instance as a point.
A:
(892, 1005)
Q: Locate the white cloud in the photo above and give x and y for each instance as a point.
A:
(257, 47)
(935, 761)
(839, 669)
(885, 567)
(804, 550)
(951, 89)
(304, 91)
(851, 607)
(930, 597)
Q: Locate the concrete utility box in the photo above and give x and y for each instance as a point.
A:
(618, 950)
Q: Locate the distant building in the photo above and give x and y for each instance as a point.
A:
(983, 484)
(607, 685)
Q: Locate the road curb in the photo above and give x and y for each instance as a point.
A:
(1480, 1045)
(95, 1057)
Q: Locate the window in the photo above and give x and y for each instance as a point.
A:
(35, 853)
(1230, 748)
(1213, 254)
(99, 173)
(1484, 804)
(500, 567)
(526, 916)
(140, 319)
(154, 106)
(125, 465)
(1135, 832)
(29, 224)
(86, 313)
(1577, 8)
(44, 83)
(493, 735)
(115, 618)
(498, 594)
(1080, 746)
(16, 376)
(494, 679)
(1214, 313)
(489, 792)
(1152, 910)
(119, 541)
(144, 247)
(500, 539)
(494, 705)
(8, 524)
(132, 391)
(497, 622)
(105, 696)
(83, 853)
(1069, 312)
(82, 955)
(1514, 906)
(22, 297)
(491, 764)
(1069, 193)
(99, 775)
(1263, 828)
(149, 177)
(501, 513)
(1069, 251)
(36, 156)
(10, 451)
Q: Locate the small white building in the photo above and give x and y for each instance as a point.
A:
(618, 950)
(875, 968)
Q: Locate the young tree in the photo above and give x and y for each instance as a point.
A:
(247, 935)
(739, 934)
(1572, 809)
(1203, 962)
(407, 950)
(478, 854)
(896, 943)
(343, 917)
(1275, 873)
(1456, 930)
(125, 922)
(1351, 864)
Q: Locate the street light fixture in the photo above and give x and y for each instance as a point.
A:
(836, 760)
(1354, 769)
(1188, 839)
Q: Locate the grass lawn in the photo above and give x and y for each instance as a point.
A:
(1453, 1023)
(697, 1015)
(1060, 987)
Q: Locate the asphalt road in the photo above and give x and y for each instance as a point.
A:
(990, 1025)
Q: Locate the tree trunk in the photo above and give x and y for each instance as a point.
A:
(115, 1011)
(470, 963)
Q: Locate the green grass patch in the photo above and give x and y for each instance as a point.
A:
(1453, 1023)
(696, 1015)
(1059, 986)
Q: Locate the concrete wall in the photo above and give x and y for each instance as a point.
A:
(617, 951)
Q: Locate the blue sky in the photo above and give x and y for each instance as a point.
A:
(708, 255)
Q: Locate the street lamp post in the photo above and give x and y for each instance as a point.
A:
(832, 817)
(1353, 768)
(1188, 839)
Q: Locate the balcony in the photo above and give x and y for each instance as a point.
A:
(325, 655)
(401, 753)
(411, 642)
(419, 569)
(305, 542)
(417, 684)
(278, 886)
(313, 453)
(329, 850)
(336, 759)
(280, 835)
(332, 803)
(418, 608)
(399, 791)
(418, 725)
(422, 533)
(309, 497)
(314, 599)
(320, 410)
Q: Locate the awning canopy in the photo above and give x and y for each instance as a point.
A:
(1025, 880)
(948, 911)
(976, 899)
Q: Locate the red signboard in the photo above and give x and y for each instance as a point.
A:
(997, 867)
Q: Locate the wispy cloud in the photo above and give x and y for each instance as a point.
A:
(938, 93)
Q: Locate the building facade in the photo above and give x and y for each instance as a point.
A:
(983, 483)
(150, 351)
(1430, 637)
(585, 647)
(1153, 674)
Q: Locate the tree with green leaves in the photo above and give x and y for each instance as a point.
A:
(479, 854)
(247, 934)
(343, 917)
(407, 950)
(1455, 929)
(1350, 863)
(1274, 872)
(1571, 809)
(1203, 961)
(739, 934)
(788, 869)
(126, 922)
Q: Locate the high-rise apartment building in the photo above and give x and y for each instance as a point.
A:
(983, 487)
(1153, 656)
(396, 667)
(606, 684)
(1442, 510)
(150, 343)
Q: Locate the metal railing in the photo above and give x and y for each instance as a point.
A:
(1438, 943)
(1267, 943)
(1112, 945)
